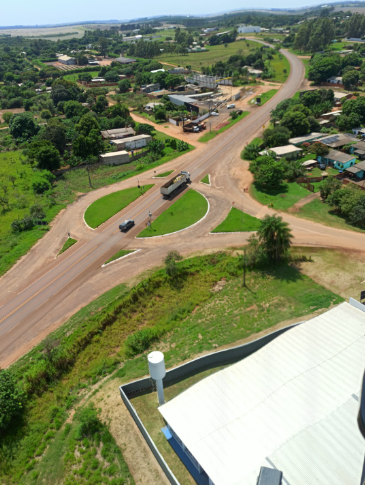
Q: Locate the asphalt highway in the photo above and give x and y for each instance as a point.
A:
(20, 314)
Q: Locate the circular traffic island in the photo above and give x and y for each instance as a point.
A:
(187, 211)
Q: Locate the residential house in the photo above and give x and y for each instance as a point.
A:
(337, 159)
(357, 170)
(337, 141)
(150, 88)
(332, 115)
(67, 60)
(287, 151)
(118, 133)
(115, 158)
(299, 140)
(359, 130)
(334, 80)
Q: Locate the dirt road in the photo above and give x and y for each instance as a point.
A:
(41, 292)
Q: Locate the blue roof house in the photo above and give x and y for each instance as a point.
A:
(337, 159)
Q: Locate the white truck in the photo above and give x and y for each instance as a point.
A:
(172, 185)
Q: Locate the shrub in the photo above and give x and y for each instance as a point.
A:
(40, 185)
(11, 398)
(140, 341)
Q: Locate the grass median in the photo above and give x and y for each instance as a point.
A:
(165, 174)
(106, 207)
(70, 242)
(119, 254)
(238, 221)
(212, 134)
(185, 212)
(206, 179)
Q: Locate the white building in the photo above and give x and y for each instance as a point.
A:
(247, 29)
(133, 142)
(292, 405)
(67, 60)
(115, 158)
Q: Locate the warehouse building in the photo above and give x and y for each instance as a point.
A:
(132, 143)
(118, 133)
(115, 158)
(290, 406)
(67, 60)
(247, 29)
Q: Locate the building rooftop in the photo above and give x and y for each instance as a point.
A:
(339, 95)
(284, 150)
(339, 156)
(124, 60)
(292, 405)
(118, 132)
(335, 141)
(65, 58)
(306, 138)
(113, 154)
(181, 97)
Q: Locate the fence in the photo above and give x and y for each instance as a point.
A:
(210, 361)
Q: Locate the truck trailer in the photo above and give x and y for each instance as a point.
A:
(173, 184)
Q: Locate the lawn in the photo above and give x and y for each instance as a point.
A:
(118, 255)
(70, 242)
(185, 212)
(306, 66)
(282, 198)
(282, 68)
(187, 319)
(322, 213)
(74, 77)
(106, 207)
(212, 134)
(216, 53)
(206, 179)
(238, 221)
(266, 96)
(165, 174)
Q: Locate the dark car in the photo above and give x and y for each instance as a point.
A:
(124, 226)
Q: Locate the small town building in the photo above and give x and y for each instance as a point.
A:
(358, 170)
(118, 133)
(331, 116)
(287, 151)
(359, 130)
(133, 142)
(339, 96)
(150, 88)
(67, 60)
(157, 70)
(187, 101)
(334, 80)
(124, 60)
(337, 141)
(253, 72)
(299, 140)
(98, 80)
(247, 29)
(337, 159)
(115, 158)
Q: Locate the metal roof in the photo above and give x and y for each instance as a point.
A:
(303, 139)
(339, 156)
(292, 405)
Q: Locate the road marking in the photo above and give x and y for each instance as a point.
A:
(44, 287)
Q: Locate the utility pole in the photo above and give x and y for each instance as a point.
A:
(244, 267)
(88, 173)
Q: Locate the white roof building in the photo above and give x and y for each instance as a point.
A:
(292, 405)
(283, 151)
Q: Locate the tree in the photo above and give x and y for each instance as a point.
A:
(277, 136)
(46, 114)
(251, 151)
(55, 132)
(145, 129)
(45, 154)
(275, 237)
(296, 122)
(328, 186)
(319, 149)
(11, 398)
(350, 79)
(124, 85)
(292, 169)
(36, 212)
(267, 171)
(101, 104)
(103, 46)
(22, 125)
(86, 124)
(74, 108)
(357, 215)
(118, 109)
(112, 76)
(88, 146)
(170, 263)
(159, 113)
(7, 116)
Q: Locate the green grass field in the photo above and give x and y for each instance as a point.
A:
(306, 66)
(70, 242)
(281, 199)
(318, 211)
(214, 54)
(165, 174)
(74, 77)
(282, 68)
(119, 254)
(209, 135)
(186, 211)
(106, 207)
(238, 221)
(206, 179)
(266, 96)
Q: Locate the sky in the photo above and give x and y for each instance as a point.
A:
(40, 12)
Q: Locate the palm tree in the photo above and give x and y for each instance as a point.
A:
(275, 236)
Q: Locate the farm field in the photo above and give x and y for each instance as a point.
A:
(50, 33)
(216, 53)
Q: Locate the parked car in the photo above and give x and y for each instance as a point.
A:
(230, 106)
(322, 166)
(214, 113)
(239, 111)
(126, 225)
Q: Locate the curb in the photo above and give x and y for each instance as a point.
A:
(83, 216)
(122, 257)
(185, 228)
(156, 177)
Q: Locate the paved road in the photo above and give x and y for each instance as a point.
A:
(54, 291)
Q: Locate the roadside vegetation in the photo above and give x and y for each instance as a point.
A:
(185, 212)
(206, 179)
(164, 174)
(70, 242)
(264, 97)
(106, 207)
(238, 221)
(119, 254)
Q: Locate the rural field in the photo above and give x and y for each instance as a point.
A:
(51, 33)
